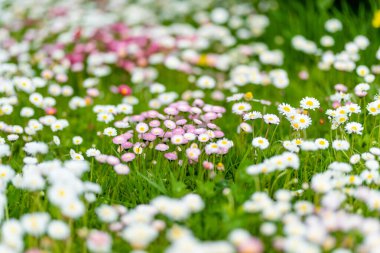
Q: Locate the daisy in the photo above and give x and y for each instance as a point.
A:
(92, 152)
(353, 108)
(177, 139)
(193, 153)
(137, 149)
(76, 156)
(106, 213)
(288, 145)
(252, 115)
(59, 125)
(369, 176)
(240, 108)
(34, 148)
(375, 151)
(271, 119)
(139, 235)
(354, 159)
(98, 241)
(77, 140)
(333, 25)
(203, 138)
(35, 224)
(322, 143)
(142, 128)
(105, 117)
(374, 107)
(110, 131)
(297, 142)
(354, 127)
(56, 140)
(285, 109)
(340, 145)
(309, 103)
(58, 230)
(340, 119)
(245, 127)
(212, 148)
(260, 142)
(225, 143)
(302, 121)
(303, 207)
(309, 146)
(206, 82)
(235, 97)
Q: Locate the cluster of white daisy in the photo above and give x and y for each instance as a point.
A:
(298, 118)
(310, 227)
(344, 60)
(278, 162)
(140, 226)
(296, 145)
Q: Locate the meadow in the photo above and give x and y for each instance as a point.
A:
(189, 126)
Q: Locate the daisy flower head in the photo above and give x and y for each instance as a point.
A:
(56, 140)
(245, 127)
(375, 151)
(301, 121)
(106, 213)
(212, 148)
(76, 156)
(308, 146)
(340, 145)
(235, 97)
(241, 108)
(340, 119)
(193, 153)
(374, 107)
(77, 140)
(142, 127)
(34, 148)
(105, 117)
(110, 131)
(327, 41)
(260, 142)
(322, 143)
(35, 224)
(361, 90)
(59, 125)
(309, 103)
(362, 70)
(291, 160)
(99, 241)
(203, 137)
(290, 146)
(138, 149)
(354, 128)
(206, 82)
(92, 152)
(285, 109)
(298, 141)
(252, 115)
(333, 25)
(58, 230)
(225, 143)
(271, 119)
(353, 108)
(177, 139)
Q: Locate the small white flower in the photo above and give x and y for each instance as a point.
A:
(77, 140)
(110, 131)
(260, 142)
